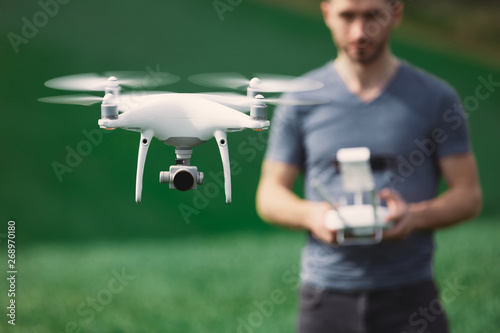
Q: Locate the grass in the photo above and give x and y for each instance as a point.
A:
(212, 284)
(184, 285)
(468, 254)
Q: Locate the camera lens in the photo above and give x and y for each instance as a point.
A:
(183, 180)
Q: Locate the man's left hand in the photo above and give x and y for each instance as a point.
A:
(399, 213)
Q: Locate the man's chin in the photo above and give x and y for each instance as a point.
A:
(363, 58)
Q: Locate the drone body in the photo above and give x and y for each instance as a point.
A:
(181, 120)
(188, 118)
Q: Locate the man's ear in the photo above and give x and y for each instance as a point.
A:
(397, 13)
(325, 9)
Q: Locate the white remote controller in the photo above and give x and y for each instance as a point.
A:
(358, 219)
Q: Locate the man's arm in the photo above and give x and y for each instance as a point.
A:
(461, 201)
(276, 202)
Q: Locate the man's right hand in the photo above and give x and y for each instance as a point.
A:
(276, 202)
(316, 222)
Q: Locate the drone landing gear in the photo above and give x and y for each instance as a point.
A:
(146, 137)
(221, 138)
(183, 176)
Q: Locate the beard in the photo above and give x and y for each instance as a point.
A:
(365, 51)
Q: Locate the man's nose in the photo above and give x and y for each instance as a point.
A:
(358, 29)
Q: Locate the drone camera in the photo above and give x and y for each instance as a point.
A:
(181, 177)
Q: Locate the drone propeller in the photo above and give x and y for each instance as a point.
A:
(264, 82)
(96, 82)
(244, 102)
(72, 99)
(125, 102)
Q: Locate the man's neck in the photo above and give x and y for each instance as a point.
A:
(367, 81)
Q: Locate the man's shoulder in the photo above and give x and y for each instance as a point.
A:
(322, 73)
(418, 78)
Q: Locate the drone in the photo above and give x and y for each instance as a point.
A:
(181, 120)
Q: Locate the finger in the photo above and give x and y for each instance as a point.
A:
(384, 193)
(386, 234)
(398, 231)
(327, 238)
(395, 203)
(391, 234)
(334, 239)
(389, 194)
(334, 235)
(395, 214)
(330, 236)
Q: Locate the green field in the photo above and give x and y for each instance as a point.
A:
(213, 284)
(203, 272)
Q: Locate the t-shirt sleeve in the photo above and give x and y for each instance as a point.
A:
(451, 133)
(285, 142)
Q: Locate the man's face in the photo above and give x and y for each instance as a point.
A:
(361, 28)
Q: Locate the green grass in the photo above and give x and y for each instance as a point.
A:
(469, 254)
(197, 284)
(205, 284)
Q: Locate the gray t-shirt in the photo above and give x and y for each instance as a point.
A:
(415, 121)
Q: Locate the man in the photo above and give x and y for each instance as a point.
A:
(383, 103)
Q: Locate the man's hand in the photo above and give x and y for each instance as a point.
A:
(276, 202)
(316, 222)
(399, 213)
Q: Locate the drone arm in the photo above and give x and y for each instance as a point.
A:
(146, 137)
(221, 138)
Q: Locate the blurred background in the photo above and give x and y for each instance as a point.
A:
(90, 259)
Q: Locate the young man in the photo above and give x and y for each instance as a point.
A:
(383, 103)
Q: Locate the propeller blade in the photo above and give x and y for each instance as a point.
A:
(126, 101)
(139, 79)
(88, 82)
(283, 83)
(72, 99)
(220, 80)
(295, 102)
(96, 82)
(241, 101)
(265, 82)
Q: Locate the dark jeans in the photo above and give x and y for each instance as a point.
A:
(407, 309)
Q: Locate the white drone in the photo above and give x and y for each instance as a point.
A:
(181, 120)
